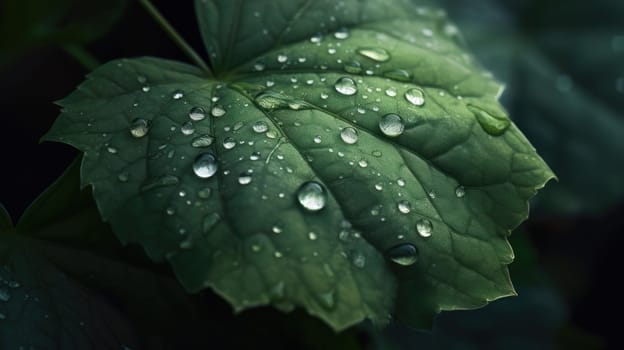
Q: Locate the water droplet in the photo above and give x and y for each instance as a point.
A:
(162, 181)
(178, 94)
(269, 100)
(259, 66)
(359, 260)
(404, 254)
(460, 191)
(312, 236)
(342, 33)
(363, 163)
(260, 126)
(398, 74)
(375, 54)
(139, 128)
(317, 139)
(353, 67)
(276, 229)
(255, 155)
(491, 124)
(278, 254)
(281, 58)
(401, 182)
(202, 141)
(197, 113)
(5, 295)
(204, 193)
(210, 221)
(217, 111)
(141, 79)
(349, 135)
(205, 165)
(346, 86)
(424, 228)
(415, 96)
(328, 300)
(315, 39)
(391, 92)
(112, 150)
(145, 88)
(187, 128)
(391, 125)
(244, 178)
(229, 143)
(123, 177)
(404, 206)
(170, 211)
(312, 196)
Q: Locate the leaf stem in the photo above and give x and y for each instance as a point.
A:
(82, 56)
(175, 36)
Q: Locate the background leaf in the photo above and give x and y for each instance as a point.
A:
(183, 164)
(6, 222)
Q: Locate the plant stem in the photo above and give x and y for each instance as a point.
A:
(175, 36)
(86, 59)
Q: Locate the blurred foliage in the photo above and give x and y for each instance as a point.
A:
(28, 24)
(562, 64)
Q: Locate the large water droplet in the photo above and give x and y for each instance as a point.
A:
(405, 254)
(205, 165)
(491, 124)
(346, 86)
(312, 196)
(374, 53)
(139, 128)
(217, 111)
(260, 126)
(415, 96)
(197, 113)
(349, 135)
(202, 141)
(424, 228)
(391, 125)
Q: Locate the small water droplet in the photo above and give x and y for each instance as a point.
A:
(210, 221)
(260, 126)
(278, 254)
(204, 193)
(140, 127)
(342, 33)
(178, 94)
(404, 254)
(353, 67)
(312, 236)
(491, 124)
(391, 92)
(255, 155)
(315, 39)
(401, 182)
(217, 111)
(424, 228)
(346, 86)
(391, 125)
(404, 206)
(123, 177)
(244, 178)
(460, 191)
(282, 58)
(202, 141)
(187, 128)
(259, 66)
(146, 88)
(111, 150)
(363, 163)
(312, 196)
(276, 229)
(141, 79)
(317, 139)
(205, 165)
(415, 96)
(328, 300)
(170, 211)
(197, 114)
(374, 53)
(359, 260)
(349, 135)
(229, 143)
(398, 74)
(5, 295)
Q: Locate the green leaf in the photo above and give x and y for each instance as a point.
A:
(26, 24)
(5, 218)
(41, 308)
(411, 224)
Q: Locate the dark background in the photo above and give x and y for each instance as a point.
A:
(561, 61)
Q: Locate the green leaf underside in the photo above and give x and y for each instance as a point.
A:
(41, 308)
(226, 239)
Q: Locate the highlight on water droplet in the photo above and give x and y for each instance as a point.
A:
(405, 254)
(312, 196)
(346, 86)
(391, 125)
(374, 53)
(205, 165)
